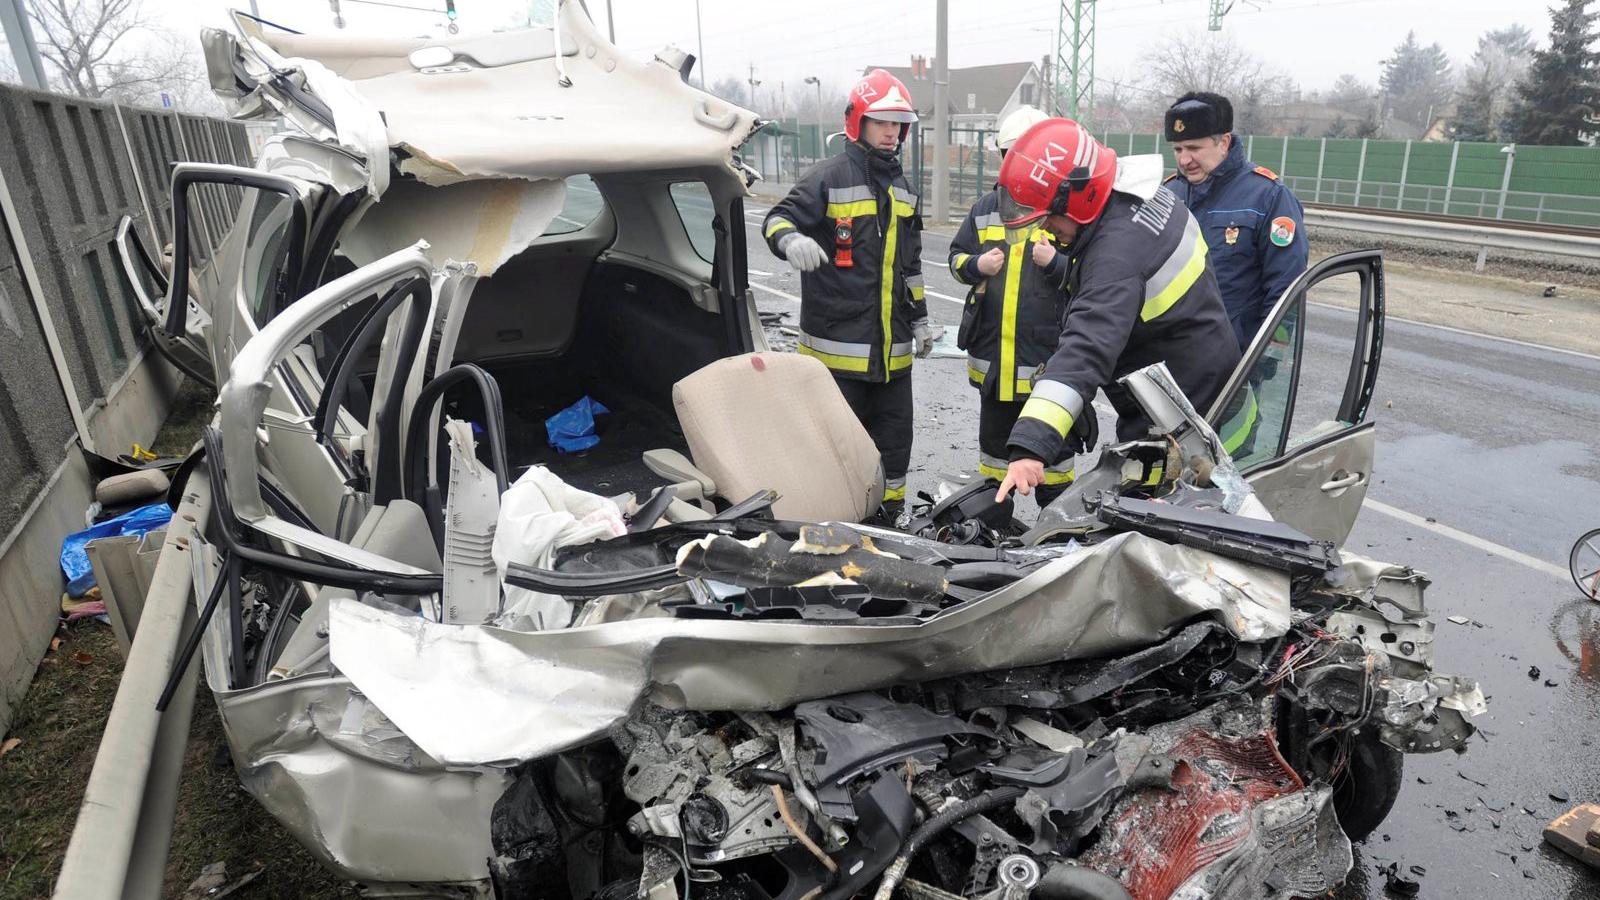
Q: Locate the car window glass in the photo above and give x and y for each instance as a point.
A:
(583, 205)
(266, 250)
(1254, 420)
(1325, 359)
(695, 210)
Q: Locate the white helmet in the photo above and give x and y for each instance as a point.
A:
(1021, 119)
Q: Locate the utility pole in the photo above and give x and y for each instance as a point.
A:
(1074, 63)
(753, 83)
(812, 79)
(941, 107)
(700, 38)
(19, 35)
(1219, 8)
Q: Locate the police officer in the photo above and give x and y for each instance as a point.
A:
(852, 226)
(1139, 291)
(1011, 321)
(1251, 220)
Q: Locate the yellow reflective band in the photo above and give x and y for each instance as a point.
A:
(1048, 412)
(1024, 387)
(778, 225)
(886, 301)
(1055, 478)
(1156, 471)
(988, 471)
(894, 493)
(975, 376)
(957, 262)
(852, 209)
(1251, 413)
(1008, 324)
(903, 209)
(992, 233)
(917, 293)
(896, 363)
(834, 361)
(1180, 284)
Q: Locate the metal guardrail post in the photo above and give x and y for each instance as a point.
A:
(1322, 154)
(1283, 161)
(1510, 150)
(1450, 179)
(1361, 171)
(124, 829)
(1405, 169)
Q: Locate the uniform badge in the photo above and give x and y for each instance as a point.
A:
(1231, 235)
(1177, 126)
(1282, 233)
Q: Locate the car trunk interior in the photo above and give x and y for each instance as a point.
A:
(623, 337)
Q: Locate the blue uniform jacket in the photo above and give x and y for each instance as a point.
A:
(1255, 230)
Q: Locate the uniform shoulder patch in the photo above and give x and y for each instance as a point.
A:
(1265, 172)
(1171, 177)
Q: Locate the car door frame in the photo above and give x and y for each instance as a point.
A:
(1282, 480)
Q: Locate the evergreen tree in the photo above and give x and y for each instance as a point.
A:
(1416, 81)
(1559, 99)
(1484, 101)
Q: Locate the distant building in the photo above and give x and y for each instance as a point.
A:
(980, 96)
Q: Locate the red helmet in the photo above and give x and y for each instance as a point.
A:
(1056, 168)
(878, 95)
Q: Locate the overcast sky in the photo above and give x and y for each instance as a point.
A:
(1309, 41)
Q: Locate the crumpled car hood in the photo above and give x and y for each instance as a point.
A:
(484, 695)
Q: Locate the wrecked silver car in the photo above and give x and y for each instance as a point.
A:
(453, 662)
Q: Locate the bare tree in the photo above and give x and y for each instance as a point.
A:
(1215, 62)
(81, 40)
(110, 49)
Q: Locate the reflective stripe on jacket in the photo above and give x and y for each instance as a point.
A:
(1012, 319)
(856, 319)
(1141, 292)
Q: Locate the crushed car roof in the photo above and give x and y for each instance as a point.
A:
(502, 105)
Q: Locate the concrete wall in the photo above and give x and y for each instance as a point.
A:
(72, 169)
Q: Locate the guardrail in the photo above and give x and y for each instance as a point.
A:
(124, 829)
(1484, 237)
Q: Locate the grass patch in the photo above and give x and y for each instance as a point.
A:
(59, 724)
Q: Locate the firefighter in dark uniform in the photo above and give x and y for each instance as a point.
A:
(1011, 320)
(1139, 291)
(852, 226)
(1250, 219)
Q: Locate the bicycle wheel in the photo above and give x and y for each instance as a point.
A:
(1584, 563)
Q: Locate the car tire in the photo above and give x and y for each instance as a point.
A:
(1365, 792)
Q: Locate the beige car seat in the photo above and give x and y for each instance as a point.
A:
(776, 421)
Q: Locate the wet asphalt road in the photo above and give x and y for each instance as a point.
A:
(1488, 467)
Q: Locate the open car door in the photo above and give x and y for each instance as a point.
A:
(149, 283)
(1294, 413)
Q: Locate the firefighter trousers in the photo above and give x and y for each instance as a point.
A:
(884, 409)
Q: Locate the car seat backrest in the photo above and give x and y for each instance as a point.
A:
(778, 421)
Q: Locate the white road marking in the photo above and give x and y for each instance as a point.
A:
(1471, 540)
(758, 272)
(1477, 334)
(956, 300)
(784, 294)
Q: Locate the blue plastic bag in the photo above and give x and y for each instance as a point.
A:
(75, 558)
(572, 429)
